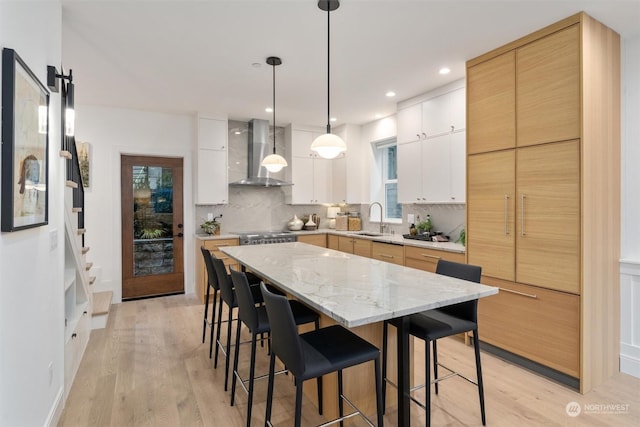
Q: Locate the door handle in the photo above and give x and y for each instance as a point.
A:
(522, 233)
(506, 214)
(180, 226)
(178, 235)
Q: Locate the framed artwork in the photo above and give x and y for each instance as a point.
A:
(83, 150)
(25, 146)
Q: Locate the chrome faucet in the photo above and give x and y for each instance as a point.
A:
(381, 215)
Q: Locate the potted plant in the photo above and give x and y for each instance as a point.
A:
(211, 227)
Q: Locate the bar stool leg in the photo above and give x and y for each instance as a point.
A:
(379, 401)
(340, 401)
(319, 384)
(219, 322)
(427, 383)
(385, 339)
(235, 364)
(272, 366)
(252, 369)
(476, 346)
(435, 364)
(298, 403)
(206, 314)
(228, 350)
(213, 314)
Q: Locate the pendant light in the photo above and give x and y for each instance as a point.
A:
(328, 145)
(274, 162)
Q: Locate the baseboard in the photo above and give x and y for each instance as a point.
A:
(536, 367)
(629, 364)
(56, 410)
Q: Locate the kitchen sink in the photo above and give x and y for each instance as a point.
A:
(367, 233)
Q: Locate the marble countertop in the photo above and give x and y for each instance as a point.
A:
(353, 290)
(385, 238)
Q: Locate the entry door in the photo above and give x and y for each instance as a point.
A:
(152, 230)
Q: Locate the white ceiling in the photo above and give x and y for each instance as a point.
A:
(196, 56)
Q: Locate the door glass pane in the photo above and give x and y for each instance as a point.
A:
(152, 220)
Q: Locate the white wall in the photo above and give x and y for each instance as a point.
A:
(630, 250)
(112, 132)
(31, 286)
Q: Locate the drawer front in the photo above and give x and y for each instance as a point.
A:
(215, 244)
(539, 324)
(387, 252)
(314, 239)
(427, 259)
(362, 247)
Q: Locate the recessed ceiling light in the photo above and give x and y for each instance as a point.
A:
(390, 94)
(237, 132)
(269, 110)
(444, 70)
(333, 119)
(256, 65)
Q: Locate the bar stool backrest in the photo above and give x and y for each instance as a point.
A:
(285, 341)
(224, 281)
(212, 277)
(465, 310)
(246, 305)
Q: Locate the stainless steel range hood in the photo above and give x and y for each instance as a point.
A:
(259, 148)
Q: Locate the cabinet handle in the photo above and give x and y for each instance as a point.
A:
(386, 256)
(424, 135)
(73, 335)
(522, 233)
(519, 293)
(418, 135)
(452, 128)
(431, 256)
(506, 214)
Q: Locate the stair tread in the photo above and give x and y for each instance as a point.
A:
(72, 184)
(85, 249)
(66, 154)
(92, 280)
(101, 302)
(88, 266)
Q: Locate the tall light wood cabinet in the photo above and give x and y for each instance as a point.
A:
(543, 196)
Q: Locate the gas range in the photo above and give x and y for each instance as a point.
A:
(266, 237)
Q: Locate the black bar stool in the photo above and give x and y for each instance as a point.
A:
(228, 296)
(255, 319)
(432, 325)
(212, 283)
(314, 354)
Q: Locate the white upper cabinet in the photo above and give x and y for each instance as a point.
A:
(212, 186)
(409, 124)
(310, 174)
(431, 150)
(212, 133)
(444, 113)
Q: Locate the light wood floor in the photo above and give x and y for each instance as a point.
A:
(150, 368)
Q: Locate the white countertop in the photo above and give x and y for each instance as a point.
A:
(385, 238)
(353, 290)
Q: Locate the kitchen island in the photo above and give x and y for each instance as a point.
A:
(358, 293)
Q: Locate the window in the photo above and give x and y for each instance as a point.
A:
(387, 180)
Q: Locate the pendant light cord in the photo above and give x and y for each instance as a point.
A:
(328, 68)
(274, 108)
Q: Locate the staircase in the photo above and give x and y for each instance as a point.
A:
(74, 206)
(84, 309)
